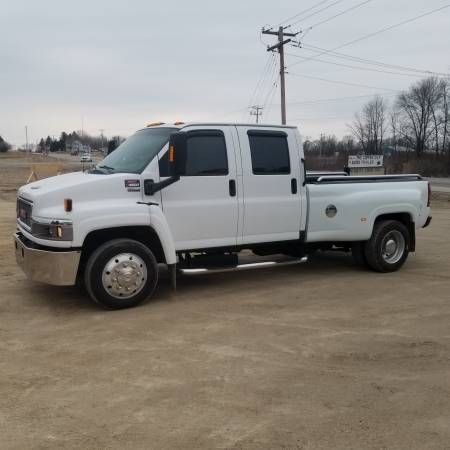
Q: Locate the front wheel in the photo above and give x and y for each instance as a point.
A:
(388, 248)
(121, 273)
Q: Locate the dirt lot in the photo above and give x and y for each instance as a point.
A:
(320, 355)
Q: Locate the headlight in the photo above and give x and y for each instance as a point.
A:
(57, 230)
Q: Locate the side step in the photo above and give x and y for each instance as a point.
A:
(257, 264)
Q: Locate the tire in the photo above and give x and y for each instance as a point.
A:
(388, 248)
(121, 273)
(358, 253)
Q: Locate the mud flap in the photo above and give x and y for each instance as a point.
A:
(173, 275)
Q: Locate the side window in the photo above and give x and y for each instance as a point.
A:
(270, 152)
(206, 153)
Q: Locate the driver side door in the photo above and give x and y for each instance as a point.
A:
(202, 207)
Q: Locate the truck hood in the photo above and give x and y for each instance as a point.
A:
(48, 194)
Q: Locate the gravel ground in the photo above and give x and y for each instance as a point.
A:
(315, 356)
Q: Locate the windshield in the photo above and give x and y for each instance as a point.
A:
(133, 155)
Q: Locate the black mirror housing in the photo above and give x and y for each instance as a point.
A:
(177, 154)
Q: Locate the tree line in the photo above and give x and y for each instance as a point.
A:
(67, 140)
(418, 121)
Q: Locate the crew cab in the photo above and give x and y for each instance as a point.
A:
(196, 195)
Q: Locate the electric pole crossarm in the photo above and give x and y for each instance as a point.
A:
(275, 33)
(277, 46)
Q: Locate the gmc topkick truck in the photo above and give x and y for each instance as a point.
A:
(194, 196)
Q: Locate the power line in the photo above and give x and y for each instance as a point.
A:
(339, 14)
(341, 82)
(340, 99)
(314, 13)
(359, 67)
(372, 62)
(271, 91)
(314, 119)
(302, 12)
(383, 30)
(263, 73)
(269, 108)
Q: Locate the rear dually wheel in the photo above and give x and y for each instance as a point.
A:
(388, 248)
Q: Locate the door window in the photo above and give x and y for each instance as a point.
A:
(269, 152)
(206, 155)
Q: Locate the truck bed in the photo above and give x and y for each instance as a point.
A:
(344, 208)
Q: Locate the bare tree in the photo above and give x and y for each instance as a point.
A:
(368, 127)
(445, 108)
(418, 108)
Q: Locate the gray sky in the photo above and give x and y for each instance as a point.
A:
(119, 65)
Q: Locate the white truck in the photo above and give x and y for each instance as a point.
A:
(194, 196)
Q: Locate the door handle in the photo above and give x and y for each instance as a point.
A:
(294, 185)
(232, 188)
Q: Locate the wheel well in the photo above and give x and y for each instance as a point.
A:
(145, 235)
(405, 219)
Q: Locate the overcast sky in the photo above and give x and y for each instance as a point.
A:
(119, 65)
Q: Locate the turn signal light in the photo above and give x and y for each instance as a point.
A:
(171, 154)
(67, 204)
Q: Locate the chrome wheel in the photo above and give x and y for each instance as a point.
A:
(124, 275)
(393, 246)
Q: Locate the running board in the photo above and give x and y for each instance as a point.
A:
(248, 266)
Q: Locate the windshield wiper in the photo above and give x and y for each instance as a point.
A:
(106, 167)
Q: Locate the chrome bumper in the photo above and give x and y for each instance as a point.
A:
(52, 267)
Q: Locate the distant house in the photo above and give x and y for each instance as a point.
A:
(77, 147)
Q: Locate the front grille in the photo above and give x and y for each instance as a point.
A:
(24, 210)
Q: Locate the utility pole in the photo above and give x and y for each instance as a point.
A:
(26, 138)
(101, 134)
(280, 47)
(256, 111)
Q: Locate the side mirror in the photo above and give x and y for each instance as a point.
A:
(177, 154)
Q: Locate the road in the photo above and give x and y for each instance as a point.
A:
(440, 184)
(323, 355)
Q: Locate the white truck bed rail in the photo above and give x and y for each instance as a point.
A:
(368, 179)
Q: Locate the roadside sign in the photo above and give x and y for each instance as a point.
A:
(365, 161)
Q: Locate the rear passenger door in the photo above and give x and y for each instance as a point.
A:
(202, 207)
(271, 175)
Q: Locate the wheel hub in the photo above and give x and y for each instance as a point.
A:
(393, 247)
(124, 275)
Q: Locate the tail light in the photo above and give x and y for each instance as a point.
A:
(429, 195)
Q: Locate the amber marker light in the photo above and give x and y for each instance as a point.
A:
(67, 204)
(171, 154)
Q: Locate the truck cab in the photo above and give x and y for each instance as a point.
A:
(186, 195)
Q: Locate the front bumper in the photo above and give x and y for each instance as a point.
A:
(57, 266)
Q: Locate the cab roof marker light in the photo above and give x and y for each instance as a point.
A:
(178, 122)
(155, 124)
